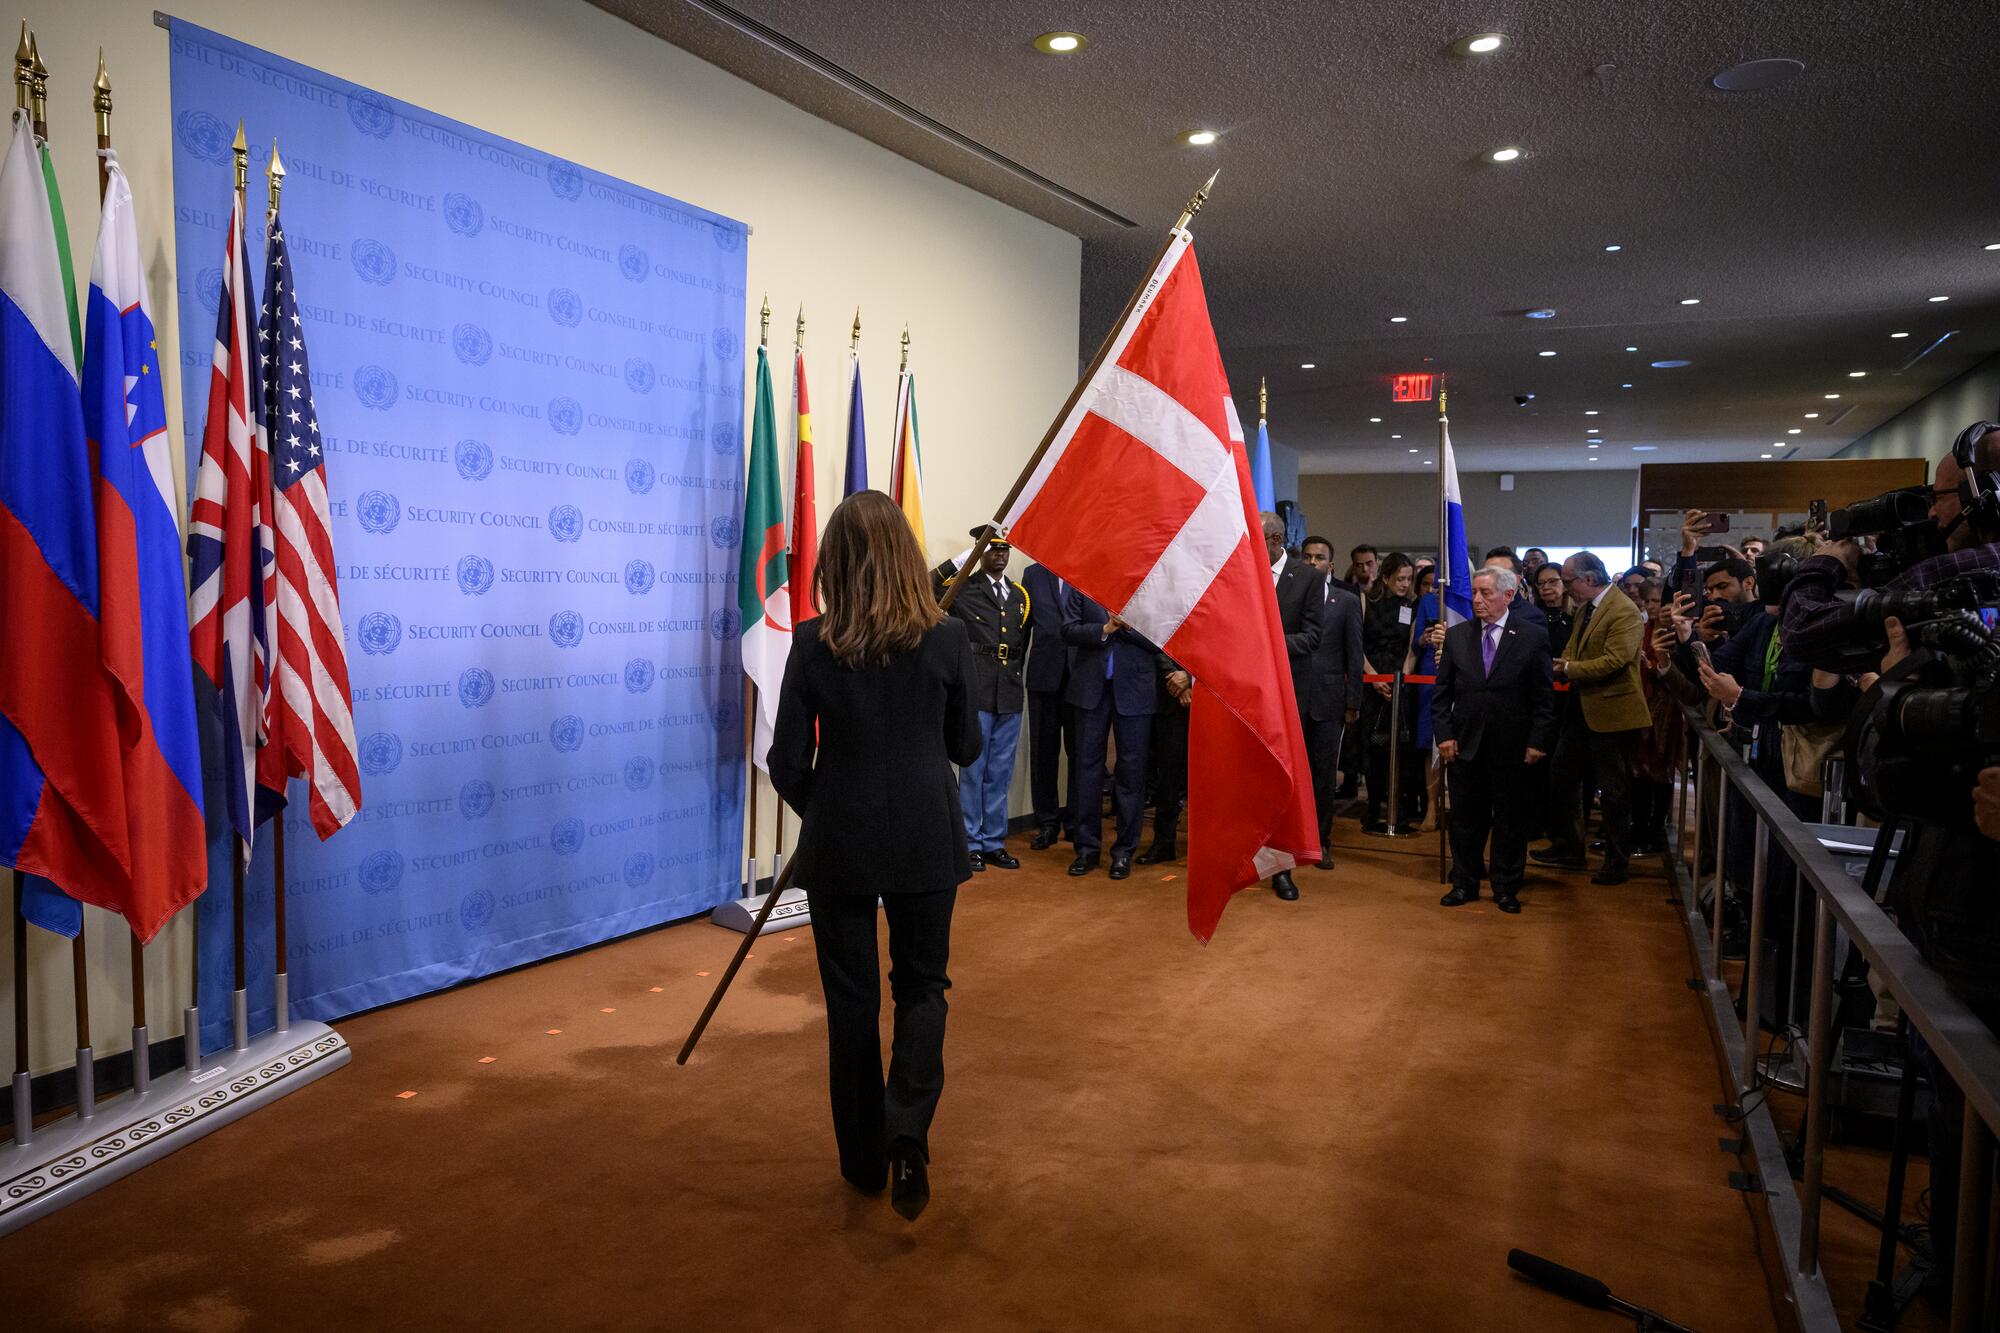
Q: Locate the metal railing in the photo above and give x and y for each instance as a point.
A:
(1966, 1048)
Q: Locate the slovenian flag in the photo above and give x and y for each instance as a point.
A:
(763, 592)
(62, 795)
(1457, 560)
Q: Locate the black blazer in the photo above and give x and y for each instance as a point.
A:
(1333, 673)
(1504, 713)
(876, 794)
(1300, 590)
(1048, 655)
(997, 686)
(1134, 688)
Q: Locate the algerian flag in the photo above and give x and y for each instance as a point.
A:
(762, 597)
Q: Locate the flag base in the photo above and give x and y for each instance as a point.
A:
(739, 915)
(69, 1158)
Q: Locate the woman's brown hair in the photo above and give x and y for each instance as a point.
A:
(870, 584)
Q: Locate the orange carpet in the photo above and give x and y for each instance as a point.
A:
(1339, 1115)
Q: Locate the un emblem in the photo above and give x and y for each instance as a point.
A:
(638, 577)
(727, 714)
(565, 178)
(475, 910)
(370, 113)
(638, 773)
(373, 261)
(726, 343)
(203, 135)
(475, 574)
(474, 459)
(463, 214)
(724, 624)
(566, 837)
(566, 629)
(639, 475)
(565, 307)
(475, 799)
(566, 523)
(208, 285)
(375, 386)
(475, 687)
(565, 415)
(727, 238)
(377, 511)
(379, 633)
(638, 868)
(724, 436)
(566, 733)
(723, 530)
(633, 263)
(473, 344)
(639, 374)
(381, 752)
(639, 675)
(381, 871)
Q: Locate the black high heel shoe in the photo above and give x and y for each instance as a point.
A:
(909, 1181)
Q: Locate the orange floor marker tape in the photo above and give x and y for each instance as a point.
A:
(486, 1059)
(607, 1011)
(405, 1096)
(657, 989)
(701, 974)
(553, 1032)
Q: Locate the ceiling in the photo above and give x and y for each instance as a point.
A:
(1811, 220)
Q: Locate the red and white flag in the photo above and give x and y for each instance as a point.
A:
(1153, 442)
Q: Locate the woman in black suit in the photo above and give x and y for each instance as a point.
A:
(875, 708)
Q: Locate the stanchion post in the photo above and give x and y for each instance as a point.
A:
(1820, 1042)
(281, 981)
(1753, 971)
(1975, 1180)
(86, 1056)
(24, 1088)
(239, 1000)
(1721, 856)
(1395, 802)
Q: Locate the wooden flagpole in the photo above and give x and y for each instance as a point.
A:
(966, 566)
(281, 981)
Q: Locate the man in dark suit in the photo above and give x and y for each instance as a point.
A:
(1492, 714)
(995, 611)
(1301, 590)
(1524, 609)
(1051, 721)
(1169, 747)
(1331, 699)
(1111, 686)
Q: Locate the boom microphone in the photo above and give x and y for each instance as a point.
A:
(1587, 1291)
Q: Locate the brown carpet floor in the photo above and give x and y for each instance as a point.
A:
(1339, 1115)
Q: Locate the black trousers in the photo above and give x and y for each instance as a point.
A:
(1051, 734)
(1581, 756)
(1094, 727)
(1489, 795)
(1170, 750)
(869, 1115)
(1323, 740)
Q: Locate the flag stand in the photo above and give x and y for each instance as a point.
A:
(24, 1088)
(965, 568)
(281, 981)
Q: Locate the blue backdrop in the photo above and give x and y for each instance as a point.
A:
(530, 379)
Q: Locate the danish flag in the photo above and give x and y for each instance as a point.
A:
(1143, 501)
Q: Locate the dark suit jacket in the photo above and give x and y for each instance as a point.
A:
(997, 687)
(1501, 714)
(1300, 590)
(1134, 690)
(1524, 610)
(876, 795)
(1048, 655)
(1333, 674)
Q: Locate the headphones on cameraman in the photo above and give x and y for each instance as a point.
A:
(1978, 490)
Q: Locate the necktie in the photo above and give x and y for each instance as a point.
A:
(1583, 621)
(1492, 646)
(999, 592)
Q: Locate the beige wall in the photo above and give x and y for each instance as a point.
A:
(1926, 428)
(1399, 509)
(990, 294)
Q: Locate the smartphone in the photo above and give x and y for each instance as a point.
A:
(1717, 523)
(1816, 515)
(1700, 651)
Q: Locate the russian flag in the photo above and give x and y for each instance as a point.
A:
(62, 795)
(1458, 590)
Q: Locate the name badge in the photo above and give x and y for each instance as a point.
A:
(1403, 616)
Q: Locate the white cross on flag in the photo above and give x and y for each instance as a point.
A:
(1141, 502)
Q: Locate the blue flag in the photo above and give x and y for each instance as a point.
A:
(857, 434)
(1456, 560)
(1260, 471)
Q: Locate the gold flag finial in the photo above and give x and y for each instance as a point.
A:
(1263, 401)
(1194, 204)
(854, 342)
(39, 74)
(240, 149)
(906, 345)
(276, 171)
(1443, 394)
(799, 330)
(101, 100)
(764, 323)
(24, 69)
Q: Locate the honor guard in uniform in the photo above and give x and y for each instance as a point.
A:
(996, 612)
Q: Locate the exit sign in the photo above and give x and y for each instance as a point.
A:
(1413, 388)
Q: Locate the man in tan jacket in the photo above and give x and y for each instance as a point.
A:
(1608, 712)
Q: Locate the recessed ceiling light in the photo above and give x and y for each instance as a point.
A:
(1763, 455)
(1631, 349)
(1757, 75)
(1308, 365)
(1613, 249)
(1793, 431)
(1413, 451)
(1503, 155)
(1375, 421)
(1593, 430)
(1899, 335)
(1936, 299)
(1592, 445)
(1857, 374)
(1590, 411)
(1399, 319)
(1691, 300)
(1479, 44)
(1812, 416)
(1545, 354)
(1832, 396)
(1395, 437)
(1060, 43)
(1200, 138)
(1674, 363)
(1645, 448)
(1430, 462)
(1546, 312)
(1994, 246)
(1624, 386)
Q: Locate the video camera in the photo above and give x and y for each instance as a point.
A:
(1901, 529)
(1918, 741)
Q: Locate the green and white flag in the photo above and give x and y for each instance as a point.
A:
(762, 596)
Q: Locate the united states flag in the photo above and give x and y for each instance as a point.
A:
(230, 543)
(310, 716)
